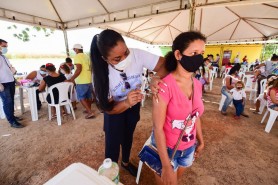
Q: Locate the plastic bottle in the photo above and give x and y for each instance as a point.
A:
(110, 170)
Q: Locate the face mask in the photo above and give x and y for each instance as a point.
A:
(124, 63)
(4, 50)
(43, 72)
(191, 64)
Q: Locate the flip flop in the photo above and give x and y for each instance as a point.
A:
(90, 116)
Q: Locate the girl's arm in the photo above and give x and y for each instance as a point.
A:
(159, 116)
(199, 137)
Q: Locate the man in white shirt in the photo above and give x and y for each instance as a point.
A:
(8, 82)
(236, 61)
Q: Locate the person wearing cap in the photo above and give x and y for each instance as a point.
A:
(83, 80)
(7, 82)
(36, 77)
(51, 79)
(69, 63)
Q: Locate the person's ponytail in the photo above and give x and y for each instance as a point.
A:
(171, 61)
(100, 76)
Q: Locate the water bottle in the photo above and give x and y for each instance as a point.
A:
(110, 170)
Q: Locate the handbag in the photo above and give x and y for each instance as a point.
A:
(149, 154)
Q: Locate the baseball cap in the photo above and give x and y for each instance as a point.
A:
(77, 46)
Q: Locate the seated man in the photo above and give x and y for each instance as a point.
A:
(36, 77)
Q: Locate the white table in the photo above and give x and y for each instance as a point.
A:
(31, 91)
(78, 173)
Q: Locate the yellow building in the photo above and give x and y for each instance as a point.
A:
(253, 51)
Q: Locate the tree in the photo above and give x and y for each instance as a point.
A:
(268, 51)
(26, 33)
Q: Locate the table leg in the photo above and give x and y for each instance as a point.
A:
(21, 100)
(33, 103)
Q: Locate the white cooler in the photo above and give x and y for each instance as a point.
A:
(79, 174)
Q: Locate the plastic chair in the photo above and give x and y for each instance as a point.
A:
(2, 113)
(262, 85)
(215, 71)
(226, 72)
(148, 142)
(65, 90)
(249, 86)
(211, 76)
(221, 103)
(241, 75)
(272, 118)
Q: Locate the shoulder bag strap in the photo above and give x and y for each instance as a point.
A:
(5, 60)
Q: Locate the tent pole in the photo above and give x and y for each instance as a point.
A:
(66, 42)
(192, 14)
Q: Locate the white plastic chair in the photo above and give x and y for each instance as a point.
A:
(241, 75)
(2, 113)
(148, 142)
(250, 86)
(65, 90)
(215, 71)
(226, 72)
(221, 103)
(262, 85)
(211, 79)
(272, 118)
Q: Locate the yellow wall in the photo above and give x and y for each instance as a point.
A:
(253, 51)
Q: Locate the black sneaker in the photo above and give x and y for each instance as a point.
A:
(16, 125)
(130, 168)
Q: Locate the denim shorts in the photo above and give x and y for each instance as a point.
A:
(182, 158)
(84, 91)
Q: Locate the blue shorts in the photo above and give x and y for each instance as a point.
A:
(182, 158)
(84, 91)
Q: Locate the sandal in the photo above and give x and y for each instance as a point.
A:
(90, 116)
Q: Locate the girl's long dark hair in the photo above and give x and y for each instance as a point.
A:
(181, 43)
(100, 47)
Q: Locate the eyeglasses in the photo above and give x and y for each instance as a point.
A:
(239, 88)
(124, 77)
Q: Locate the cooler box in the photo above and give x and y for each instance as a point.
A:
(79, 174)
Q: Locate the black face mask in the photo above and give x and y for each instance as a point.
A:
(191, 64)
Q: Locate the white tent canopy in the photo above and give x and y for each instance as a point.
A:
(153, 21)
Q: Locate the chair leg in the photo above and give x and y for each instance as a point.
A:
(221, 103)
(58, 113)
(265, 114)
(72, 111)
(49, 112)
(270, 122)
(139, 172)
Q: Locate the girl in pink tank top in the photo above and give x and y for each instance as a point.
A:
(179, 106)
